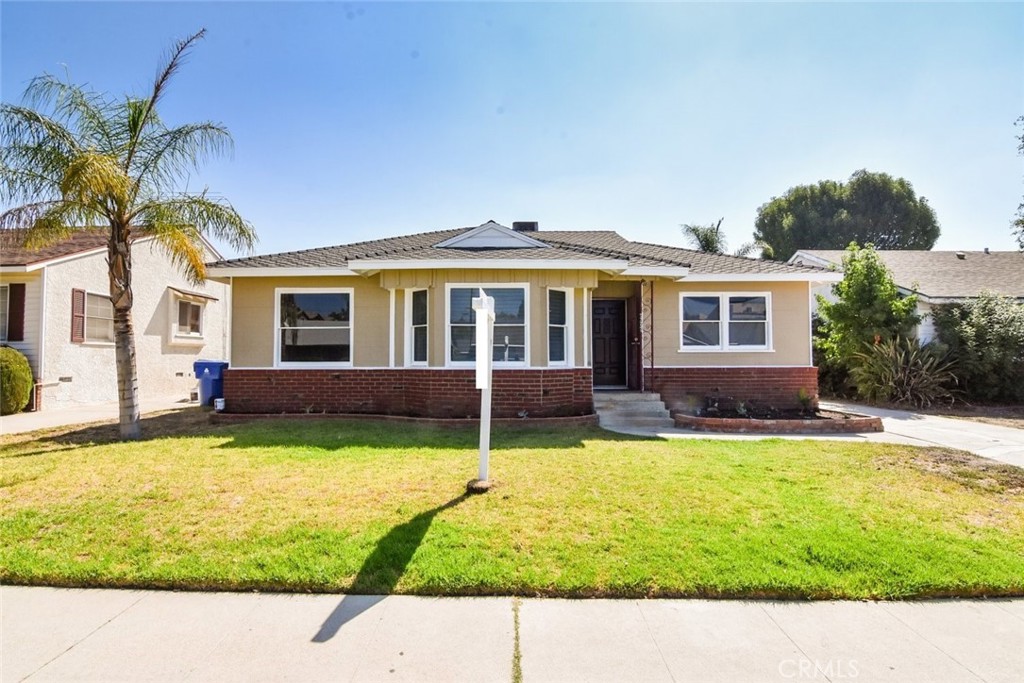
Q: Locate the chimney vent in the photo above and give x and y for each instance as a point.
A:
(525, 226)
(961, 255)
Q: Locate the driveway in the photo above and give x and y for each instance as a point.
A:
(1004, 444)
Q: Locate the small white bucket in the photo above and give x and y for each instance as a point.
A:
(218, 405)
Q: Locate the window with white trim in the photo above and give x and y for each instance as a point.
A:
(418, 340)
(738, 321)
(4, 303)
(559, 326)
(510, 328)
(314, 326)
(99, 318)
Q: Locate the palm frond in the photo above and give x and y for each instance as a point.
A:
(81, 110)
(165, 158)
(44, 223)
(140, 116)
(190, 217)
(97, 180)
(706, 238)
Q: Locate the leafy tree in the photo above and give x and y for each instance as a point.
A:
(1018, 223)
(74, 159)
(869, 208)
(709, 239)
(985, 339)
(868, 308)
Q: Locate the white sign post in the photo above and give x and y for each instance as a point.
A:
(484, 307)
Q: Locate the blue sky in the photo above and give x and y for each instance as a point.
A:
(360, 120)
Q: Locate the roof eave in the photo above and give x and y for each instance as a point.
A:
(363, 266)
(766, 277)
(258, 271)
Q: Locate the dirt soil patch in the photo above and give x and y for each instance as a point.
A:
(971, 470)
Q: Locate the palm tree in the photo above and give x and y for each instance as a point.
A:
(706, 238)
(709, 239)
(92, 160)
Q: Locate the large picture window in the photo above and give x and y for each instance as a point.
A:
(314, 326)
(509, 324)
(725, 322)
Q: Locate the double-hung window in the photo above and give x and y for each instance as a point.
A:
(4, 304)
(314, 326)
(725, 322)
(99, 318)
(559, 326)
(417, 316)
(510, 332)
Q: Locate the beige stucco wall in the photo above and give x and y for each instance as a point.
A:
(85, 373)
(790, 325)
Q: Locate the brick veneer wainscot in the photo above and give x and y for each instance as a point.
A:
(415, 392)
(778, 387)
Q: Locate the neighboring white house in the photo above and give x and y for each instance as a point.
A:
(937, 277)
(55, 308)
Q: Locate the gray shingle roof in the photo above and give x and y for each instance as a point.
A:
(578, 245)
(943, 275)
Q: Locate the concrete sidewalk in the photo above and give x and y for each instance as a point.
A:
(82, 414)
(111, 635)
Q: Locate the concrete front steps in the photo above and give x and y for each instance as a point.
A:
(631, 410)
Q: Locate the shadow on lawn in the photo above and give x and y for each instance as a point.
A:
(382, 570)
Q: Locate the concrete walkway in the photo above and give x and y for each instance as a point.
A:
(111, 635)
(1004, 444)
(81, 414)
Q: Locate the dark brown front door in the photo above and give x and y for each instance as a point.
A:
(609, 338)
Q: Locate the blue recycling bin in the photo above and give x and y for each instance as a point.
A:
(210, 374)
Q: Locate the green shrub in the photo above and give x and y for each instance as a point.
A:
(985, 340)
(15, 381)
(901, 371)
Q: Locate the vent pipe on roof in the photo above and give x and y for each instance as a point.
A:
(961, 255)
(986, 250)
(525, 226)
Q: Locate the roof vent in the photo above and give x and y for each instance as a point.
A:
(525, 226)
(986, 250)
(961, 255)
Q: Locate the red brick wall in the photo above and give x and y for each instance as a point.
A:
(778, 387)
(416, 392)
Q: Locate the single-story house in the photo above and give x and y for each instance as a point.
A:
(386, 326)
(55, 309)
(936, 277)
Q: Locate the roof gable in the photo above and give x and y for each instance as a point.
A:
(490, 235)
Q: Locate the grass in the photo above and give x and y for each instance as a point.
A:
(378, 508)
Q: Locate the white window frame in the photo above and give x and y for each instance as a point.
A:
(187, 338)
(723, 324)
(278, 291)
(570, 337)
(410, 333)
(6, 289)
(85, 322)
(525, 286)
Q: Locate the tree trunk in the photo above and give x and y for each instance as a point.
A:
(119, 261)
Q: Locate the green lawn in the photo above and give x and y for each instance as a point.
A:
(323, 505)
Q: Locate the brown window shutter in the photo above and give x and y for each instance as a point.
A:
(78, 315)
(16, 312)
